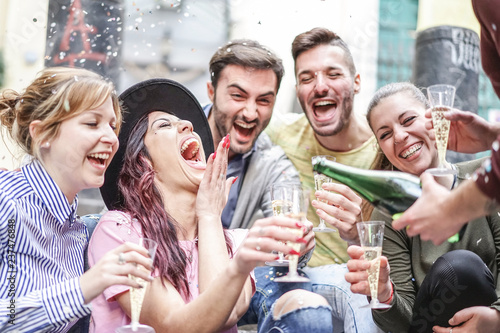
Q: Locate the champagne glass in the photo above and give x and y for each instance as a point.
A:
(300, 204)
(137, 295)
(371, 237)
(281, 197)
(319, 180)
(441, 98)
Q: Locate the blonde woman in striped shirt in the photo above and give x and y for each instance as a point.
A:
(67, 120)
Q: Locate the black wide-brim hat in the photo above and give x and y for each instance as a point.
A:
(140, 99)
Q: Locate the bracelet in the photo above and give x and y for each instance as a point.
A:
(390, 297)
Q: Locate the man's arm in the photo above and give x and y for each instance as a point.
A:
(440, 213)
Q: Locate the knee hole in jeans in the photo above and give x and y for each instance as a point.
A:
(296, 299)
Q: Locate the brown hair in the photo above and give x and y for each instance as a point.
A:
(393, 89)
(246, 53)
(321, 36)
(381, 162)
(57, 94)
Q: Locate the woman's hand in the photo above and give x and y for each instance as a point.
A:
(214, 187)
(358, 276)
(471, 320)
(267, 235)
(114, 267)
(342, 210)
(469, 133)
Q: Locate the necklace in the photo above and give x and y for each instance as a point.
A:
(190, 252)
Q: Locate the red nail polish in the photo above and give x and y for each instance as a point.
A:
(295, 253)
(301, 240)
(235, 179)
(215, 154)
(277, 258)
(299, 225)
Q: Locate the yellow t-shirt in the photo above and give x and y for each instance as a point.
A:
(296, 137)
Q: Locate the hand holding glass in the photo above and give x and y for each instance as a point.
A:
(319, 180)
(137, 295)
(298, 211)
(281, 203)
(371, 237)
(441, 98)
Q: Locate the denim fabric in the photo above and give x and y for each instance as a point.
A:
(316, 319)
(329, 282)
(267, 292)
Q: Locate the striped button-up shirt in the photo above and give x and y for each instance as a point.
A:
(41, 253)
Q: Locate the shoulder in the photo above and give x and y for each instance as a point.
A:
(264, 144)
(115, 216)
(283, 124)
(13, 184)
(465, 169)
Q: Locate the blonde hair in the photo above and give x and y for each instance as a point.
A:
(57, 94)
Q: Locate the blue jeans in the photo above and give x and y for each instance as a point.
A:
(329, 282)
(315, 319)
(267, 293)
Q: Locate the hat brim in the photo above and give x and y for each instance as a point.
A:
(140, 99)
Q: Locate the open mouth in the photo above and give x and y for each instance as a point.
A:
(412, 150)
(324, 109)
(244, 129)
(190, 150)
(98, 158)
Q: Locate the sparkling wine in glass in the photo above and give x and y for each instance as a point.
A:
(137, 296)
(371, 237)
(282, 204)
(300, 204)
(319, 180)
(441, 98)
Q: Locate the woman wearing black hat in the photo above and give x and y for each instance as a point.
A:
(167, 192)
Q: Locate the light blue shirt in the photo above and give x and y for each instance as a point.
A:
(41, 253)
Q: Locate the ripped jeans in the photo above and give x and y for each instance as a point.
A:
(261, 309)
(327, 281)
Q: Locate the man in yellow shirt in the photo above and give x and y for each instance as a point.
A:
(326, 83)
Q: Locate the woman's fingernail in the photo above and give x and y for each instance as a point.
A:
(295, 253)
(301, 240)
(235, 179)
(215, 154)
(299, 225)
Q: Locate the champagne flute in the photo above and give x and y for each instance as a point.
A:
(137, 295)
(319, 180)
(441, 98)
(371, 237)
(300, 204)
(282, 203)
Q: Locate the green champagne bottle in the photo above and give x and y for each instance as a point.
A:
(392, 192)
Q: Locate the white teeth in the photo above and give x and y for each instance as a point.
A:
(101, 156)
(323, 103)
(186, 144)
(244, 125)
(407, 153)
